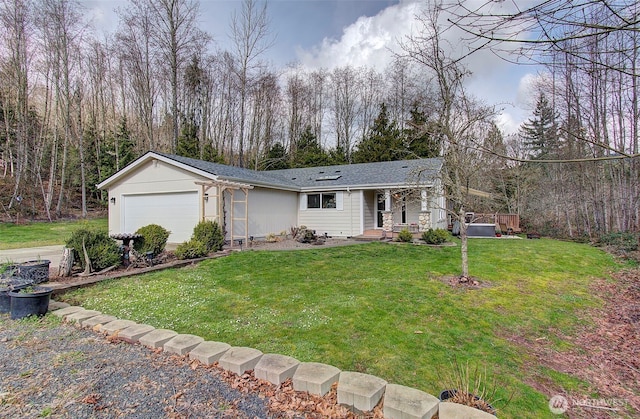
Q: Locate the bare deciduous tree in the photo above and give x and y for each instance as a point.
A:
(251, 37)
(461, 121)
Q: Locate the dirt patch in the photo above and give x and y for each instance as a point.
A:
(605, 352)
(472, 283)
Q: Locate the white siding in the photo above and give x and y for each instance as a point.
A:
(412, 210)
(333, 221)
(369, 209)
(271, 211)
(155, 177)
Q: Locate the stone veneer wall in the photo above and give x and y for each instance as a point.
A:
(424, 221)
(387, 221)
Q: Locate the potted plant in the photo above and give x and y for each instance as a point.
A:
(31, 300)
(470, 387)
(467, 399)
(36, 271)
(6, 285)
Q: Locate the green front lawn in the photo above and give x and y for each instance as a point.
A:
(14, 236)
(378, 308)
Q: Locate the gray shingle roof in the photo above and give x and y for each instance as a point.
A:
(338, 176)
(365, 174)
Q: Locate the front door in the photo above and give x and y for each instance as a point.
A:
(380, 203)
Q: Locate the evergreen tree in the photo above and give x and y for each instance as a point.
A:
(210, 153)
(338, 155)
(276, 158)
(540, 133)
(421, 142)
(188, 141)
(384, 142)
(308, 152)
(124, 145)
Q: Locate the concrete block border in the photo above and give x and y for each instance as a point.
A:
(361, 392)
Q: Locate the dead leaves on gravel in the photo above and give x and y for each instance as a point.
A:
(285, 402)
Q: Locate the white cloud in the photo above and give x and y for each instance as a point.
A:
(101, 14)
(508, 122)
(369, 41)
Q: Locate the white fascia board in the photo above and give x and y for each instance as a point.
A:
(147, 157)
(261, 184)
(366, 187)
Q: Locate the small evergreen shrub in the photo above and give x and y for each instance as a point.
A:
(192, 249)
(209, 233)
(405, 235)
(437, 236)
(154, 239)
(101, 249)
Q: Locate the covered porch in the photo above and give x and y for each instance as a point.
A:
(388, 211)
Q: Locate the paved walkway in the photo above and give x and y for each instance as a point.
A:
(52, 253)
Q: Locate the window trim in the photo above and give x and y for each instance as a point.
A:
(323, 199)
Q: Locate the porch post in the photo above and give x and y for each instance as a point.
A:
(387, 215)
(424, 218)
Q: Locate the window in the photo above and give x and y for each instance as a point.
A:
(328, 200)
(313, 200)
(324, 200)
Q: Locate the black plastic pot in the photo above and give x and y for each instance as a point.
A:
(5, 300)
(6, 285)
(25, 304)
(36, 271)
(447, 394)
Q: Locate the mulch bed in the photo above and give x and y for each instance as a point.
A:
(605, 352)
(169, 261)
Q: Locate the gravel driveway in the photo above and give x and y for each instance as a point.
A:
(56, 370)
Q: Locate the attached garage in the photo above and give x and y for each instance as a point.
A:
(176, 211)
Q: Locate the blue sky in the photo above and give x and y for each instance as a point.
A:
(331, 33)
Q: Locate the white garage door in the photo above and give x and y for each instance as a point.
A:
(177, 212)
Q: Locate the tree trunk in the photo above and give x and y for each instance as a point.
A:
(66, 262)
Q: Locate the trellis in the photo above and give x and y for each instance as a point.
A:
(221, 186)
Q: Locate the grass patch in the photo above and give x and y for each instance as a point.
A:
(14, 236)
(376, 308)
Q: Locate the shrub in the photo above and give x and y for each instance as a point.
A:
(101, 249)
(305, 235)
(192, 249)
(405, 235)
(154, 239)
(437, 236)
(620, 241)
(271, 238)
(209, 233)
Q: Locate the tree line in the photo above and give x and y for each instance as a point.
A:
(77, 106)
